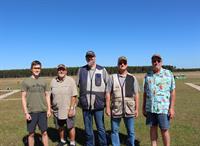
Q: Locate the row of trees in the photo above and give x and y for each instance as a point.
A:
(72, 71)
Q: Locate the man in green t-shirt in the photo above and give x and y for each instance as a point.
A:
(36, 103)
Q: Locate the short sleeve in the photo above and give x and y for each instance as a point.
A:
(24, 86)
(105, 76)
(74, 88)
(145, 84)
(136, 85)
(109, 85)
(47, 87)
(172, 82)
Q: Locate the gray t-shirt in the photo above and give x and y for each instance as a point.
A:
(35, 89)
(61, 93)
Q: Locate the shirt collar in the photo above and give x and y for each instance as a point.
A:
(58, 80)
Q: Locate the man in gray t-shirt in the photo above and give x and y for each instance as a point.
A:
(36, 103)
(64, 93)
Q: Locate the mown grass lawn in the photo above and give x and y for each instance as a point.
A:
(185, 128)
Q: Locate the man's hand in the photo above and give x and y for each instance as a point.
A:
(48, 113)
(144, 112)
(108, 112)
(28, 117)
(71, 113)
(136, 114)
(171, 113)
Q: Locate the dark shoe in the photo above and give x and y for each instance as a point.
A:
(62, 144)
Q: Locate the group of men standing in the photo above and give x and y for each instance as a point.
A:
(118, 94)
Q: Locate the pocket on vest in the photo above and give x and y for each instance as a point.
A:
(99, 102)
(130, 108)
(116, 108)
(98, 79)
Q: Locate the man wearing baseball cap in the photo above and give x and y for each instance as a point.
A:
(122, 101)
(64, 93)
(92, 81)
(159, 100)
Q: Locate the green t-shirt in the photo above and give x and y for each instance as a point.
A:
(35, 89)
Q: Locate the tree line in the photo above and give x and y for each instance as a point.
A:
(72, 71)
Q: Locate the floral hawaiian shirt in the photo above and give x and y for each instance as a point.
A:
(157, 88)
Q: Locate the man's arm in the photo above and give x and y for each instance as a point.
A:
(72, 106)
(47, 96)
(144, 104)
(137, 90)
(24, 106)
(108, 95)
(172, 104)
(108, 112)
(136, 105)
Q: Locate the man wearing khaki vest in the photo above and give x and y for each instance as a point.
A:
(122, 102)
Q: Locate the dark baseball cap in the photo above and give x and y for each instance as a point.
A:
(156, 56)
(90, 54)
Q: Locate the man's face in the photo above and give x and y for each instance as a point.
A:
(36, 69)
(91, 60)
(122, 65)
(156, 64)
(61, 72)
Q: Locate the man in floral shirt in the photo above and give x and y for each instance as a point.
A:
(159, 100)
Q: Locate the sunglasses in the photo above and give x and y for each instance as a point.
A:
(156, 60)
(120, 63)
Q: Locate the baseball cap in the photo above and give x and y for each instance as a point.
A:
(90, 53)
(122, 58)
(61, 66)
(156, 56)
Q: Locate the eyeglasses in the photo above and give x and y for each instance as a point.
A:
(36, 67)
(120, 63)
(61, 69)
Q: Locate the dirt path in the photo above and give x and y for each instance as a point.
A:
(8, 94)
(193, 85)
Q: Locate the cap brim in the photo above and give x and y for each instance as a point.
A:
(156, 57)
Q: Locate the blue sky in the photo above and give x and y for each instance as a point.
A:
(61, 31)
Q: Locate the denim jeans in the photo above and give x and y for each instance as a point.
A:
(88, 122)
(129, 123)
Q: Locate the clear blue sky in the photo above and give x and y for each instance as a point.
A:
(61, 31)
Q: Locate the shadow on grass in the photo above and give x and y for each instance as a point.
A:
(52, 133)
(80, 137)
(37, 137)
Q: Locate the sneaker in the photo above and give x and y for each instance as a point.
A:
(62, 144)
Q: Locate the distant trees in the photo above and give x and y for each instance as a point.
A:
(72, 71)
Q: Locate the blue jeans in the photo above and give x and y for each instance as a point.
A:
(88, 122)
(129, 123)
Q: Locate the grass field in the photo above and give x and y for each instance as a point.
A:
(185, 128)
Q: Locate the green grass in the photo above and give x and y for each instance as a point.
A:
(185, 128)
